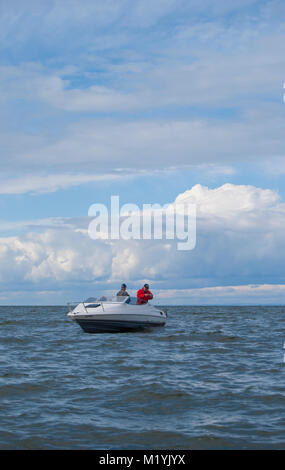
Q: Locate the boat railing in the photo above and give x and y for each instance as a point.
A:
(71, 305)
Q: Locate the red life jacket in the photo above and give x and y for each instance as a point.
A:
(142, 298)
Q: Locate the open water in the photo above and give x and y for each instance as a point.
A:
(212, 378)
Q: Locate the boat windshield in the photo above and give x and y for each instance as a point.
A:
(124, 299)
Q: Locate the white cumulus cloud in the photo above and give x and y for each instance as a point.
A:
(240, 241)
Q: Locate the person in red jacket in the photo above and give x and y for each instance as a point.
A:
(144, 295)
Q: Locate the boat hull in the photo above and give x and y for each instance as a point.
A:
(114, 326)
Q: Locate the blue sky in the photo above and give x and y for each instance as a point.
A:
(146, 100)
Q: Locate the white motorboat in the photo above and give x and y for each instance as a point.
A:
(118, 314)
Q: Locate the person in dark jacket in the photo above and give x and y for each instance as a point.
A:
(123, 291)
(144, 295)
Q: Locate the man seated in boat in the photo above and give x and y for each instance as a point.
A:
(144, 295)
(123, 291)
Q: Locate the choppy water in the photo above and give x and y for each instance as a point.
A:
(213, 378)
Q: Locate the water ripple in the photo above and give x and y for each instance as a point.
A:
(213, 378)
